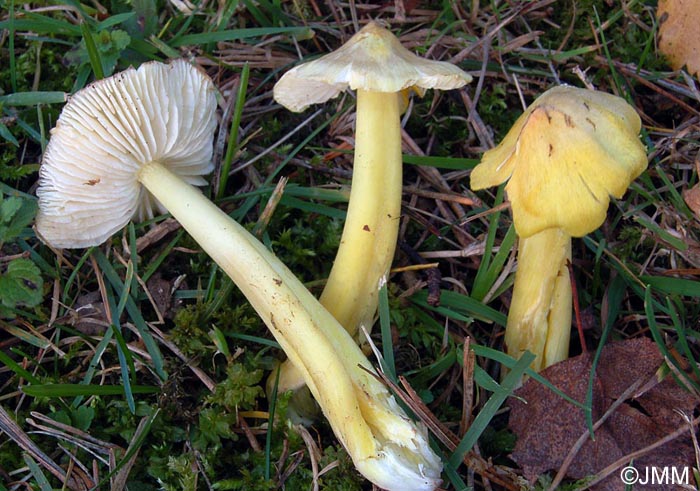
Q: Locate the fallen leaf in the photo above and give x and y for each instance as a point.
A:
(547, 426)
(692, 199)
(692, 195)
(678, 39)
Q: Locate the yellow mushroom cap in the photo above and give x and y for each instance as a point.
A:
(565, 156)
(372, 60)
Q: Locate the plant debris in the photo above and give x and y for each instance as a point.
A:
(548, 426)
(678, 38)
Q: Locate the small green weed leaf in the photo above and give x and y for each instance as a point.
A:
(82, 417)
(15, 214)
(145, 21)
(60, 416)
(9, 207)
(105, 51)
(21, 284)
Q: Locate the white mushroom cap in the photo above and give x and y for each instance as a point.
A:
(372, 60)
(88, 181)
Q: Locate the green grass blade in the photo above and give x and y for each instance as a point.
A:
(37, 339)
(33, 98)
(482, 420)
(92, 51)
(615, 295)
(509, 361)
(126, 366)
(309, 207)
(673, 286)
(388, 364)
(37, 473)
(483, 280)
(41, 24)
(135, 445)
(7, 135)
(83, 390)
(163, 47)
(94, 364)
(455, 478)
(134, 313)
(125, 294)
(253, 200)
(15, 367)
(236, 35)
(271, 425)
(254, 339)
(682, 331)
(660, 338)
(461, 307)
(155, 262)
(449, 163)
(675, 242)
(11, 46)
(115, 20)
(233, 132)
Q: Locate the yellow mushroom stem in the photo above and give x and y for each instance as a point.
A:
(386, 447)
(539, 319)
(371, 228)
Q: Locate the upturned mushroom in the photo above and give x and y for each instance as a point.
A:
(131, 142)
(563, 158)
(375, 64)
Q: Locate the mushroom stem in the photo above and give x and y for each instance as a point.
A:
(539, 319)
(384, 444)
(371, 228)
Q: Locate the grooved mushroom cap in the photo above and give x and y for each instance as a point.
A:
(372, 60)
(88, 181)
(565, 156)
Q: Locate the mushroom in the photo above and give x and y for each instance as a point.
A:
(374, 63)
(132, 142)
(565, 156)
(94, 176)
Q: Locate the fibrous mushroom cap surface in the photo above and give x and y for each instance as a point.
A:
(88, 181)
(565, 156)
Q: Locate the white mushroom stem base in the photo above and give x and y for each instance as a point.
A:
(539, 319)
(371, 227)
(386, 447)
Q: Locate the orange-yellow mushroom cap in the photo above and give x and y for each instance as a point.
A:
(565, 156)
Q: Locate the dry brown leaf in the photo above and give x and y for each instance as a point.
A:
(547, 426)
(678, 33)
(691, 196)
(692, 199)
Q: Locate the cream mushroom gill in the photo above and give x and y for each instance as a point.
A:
(374, 63)
(141, 136)
(563, 158)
